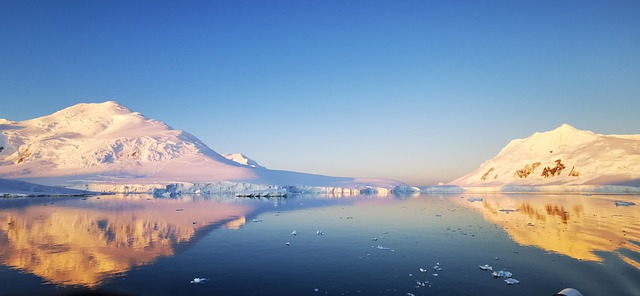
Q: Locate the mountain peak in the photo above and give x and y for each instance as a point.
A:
(566, 127)
(107, 108)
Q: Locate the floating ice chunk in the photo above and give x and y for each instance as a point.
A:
(374, 239)
(485, 267)
(621, 203)
(502, 274)
(380, 247)
(198, 280)
(319, 232)
(256, 220)
(316, 289)
(423, 270)
(294, 233)
(472, 199)
(435, 274)
(287, 243)
(511, 281)
(437, 268)
(411, 294)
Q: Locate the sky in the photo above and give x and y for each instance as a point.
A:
(418, 91)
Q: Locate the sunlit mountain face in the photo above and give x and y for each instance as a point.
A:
(83, 242)
(572, 225)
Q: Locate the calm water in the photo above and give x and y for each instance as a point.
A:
(140, 245)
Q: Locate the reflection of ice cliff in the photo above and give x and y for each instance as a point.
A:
(83, 246)
(571, 225)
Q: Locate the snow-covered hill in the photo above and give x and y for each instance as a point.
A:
(108, 147)
(564, 157)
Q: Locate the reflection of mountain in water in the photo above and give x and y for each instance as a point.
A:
(575, 226)
(82, 246)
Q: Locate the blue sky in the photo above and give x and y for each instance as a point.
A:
(419, 91)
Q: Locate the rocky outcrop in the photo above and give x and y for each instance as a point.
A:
(484, 177)
(527, 170)
(551, 172)
(573, 172)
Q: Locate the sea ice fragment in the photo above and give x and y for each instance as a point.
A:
(502, 274)
(485, 267)
(511, 281)
(380, 247)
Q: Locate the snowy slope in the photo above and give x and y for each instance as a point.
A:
(107, 147)
(562, 157)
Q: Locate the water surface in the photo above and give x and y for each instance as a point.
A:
(362, 245)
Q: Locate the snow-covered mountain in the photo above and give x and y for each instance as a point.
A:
(108, 139)
(106, 143)
(564, 157)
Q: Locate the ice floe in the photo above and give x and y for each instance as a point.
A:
(380, 247)
(502, 274)
(198, 280)
(511, 281)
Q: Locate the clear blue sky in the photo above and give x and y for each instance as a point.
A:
(419, 91)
